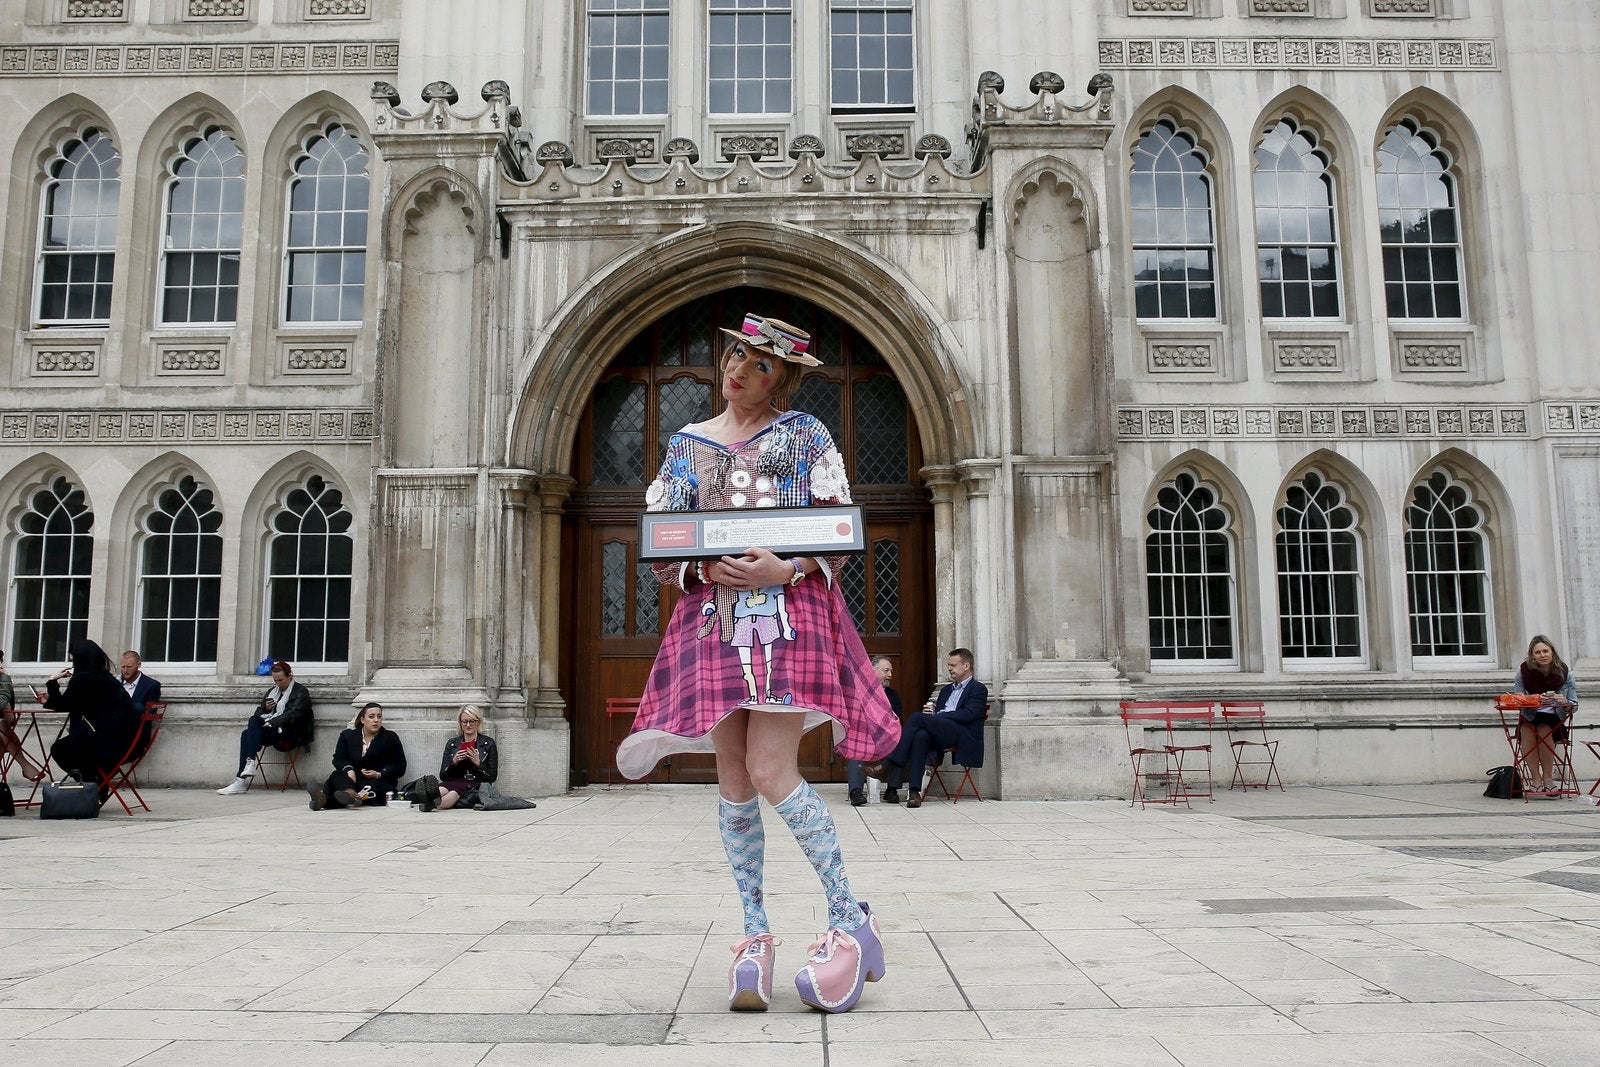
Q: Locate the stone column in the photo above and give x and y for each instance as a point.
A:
(504, 626)
(941, 482)
(546, 595)
(986, 559)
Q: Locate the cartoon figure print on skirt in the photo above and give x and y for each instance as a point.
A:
(759, 650)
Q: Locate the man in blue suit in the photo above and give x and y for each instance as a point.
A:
(954, 719)
(142, 689)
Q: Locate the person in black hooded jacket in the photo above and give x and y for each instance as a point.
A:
(101, 720)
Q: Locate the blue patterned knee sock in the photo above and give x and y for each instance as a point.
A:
(746, 844)
(812, 823)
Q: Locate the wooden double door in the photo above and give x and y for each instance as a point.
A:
(614, 611)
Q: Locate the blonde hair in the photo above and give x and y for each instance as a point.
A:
(476, 712)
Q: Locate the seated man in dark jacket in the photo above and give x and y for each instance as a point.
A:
(952, 720)
(283, 720)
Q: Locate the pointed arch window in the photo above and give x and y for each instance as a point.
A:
(1319, 575)
(310, 553)
(1189, 576)
(1174, 239)
(78, 232)
(202, 234)
(180, 576)
(1296, 226)
(1419, 226)
(326, 245)
(1447, 571)
(50, 567)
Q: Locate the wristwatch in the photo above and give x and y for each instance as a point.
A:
(799, 571)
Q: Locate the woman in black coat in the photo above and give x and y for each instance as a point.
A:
(368, 763)
(101, 720)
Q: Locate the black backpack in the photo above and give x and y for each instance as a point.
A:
(1504, 783)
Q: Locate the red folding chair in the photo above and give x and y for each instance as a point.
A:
(1173, 767)
(1246, 724)
(966, 782)
(144, 739)
(617, 708)
(1566, 784)
(290, 753)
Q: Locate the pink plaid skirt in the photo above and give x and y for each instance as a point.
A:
(780, 649)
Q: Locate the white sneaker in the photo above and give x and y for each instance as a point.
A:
(249, 769)
(234, 788)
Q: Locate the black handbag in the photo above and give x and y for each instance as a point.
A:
(70, 798)
(1504, 783)
(8, 803)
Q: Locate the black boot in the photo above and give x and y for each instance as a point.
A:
(891, 796)
(858, 797)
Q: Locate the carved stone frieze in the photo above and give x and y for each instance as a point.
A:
(191, 360)
(326, 424)
(439, 113)
(337, 9)
(1355, 422)
(1178, 356)
(1434, 353)
(1160, 7)
(755, 145)
(1295, 53)
(64, 360)
(1568, 417)
(1280, 7)
(1423, 357)
(316, 358)
(629, 148)
(1405, 8)
(217, 10)
(259, 57)
(886, 144)
(96, 11)
(1295, 355)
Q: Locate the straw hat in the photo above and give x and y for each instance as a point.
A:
(775, 337)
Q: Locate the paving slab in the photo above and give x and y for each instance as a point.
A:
(1341, 926)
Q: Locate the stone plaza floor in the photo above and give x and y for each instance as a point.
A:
(1340, 926)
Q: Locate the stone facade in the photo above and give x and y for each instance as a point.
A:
(982, 238)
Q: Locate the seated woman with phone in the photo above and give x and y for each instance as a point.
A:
(470, 759)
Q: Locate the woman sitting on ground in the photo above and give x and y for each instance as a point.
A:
(470, 759)
(368, 764)
(101, 720)
(1543, 673)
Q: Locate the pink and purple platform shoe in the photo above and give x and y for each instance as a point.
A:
(840, 963)
(750, 977)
